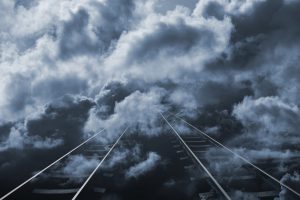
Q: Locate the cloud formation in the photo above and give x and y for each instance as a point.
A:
(269, 117)
(290, 179)
(143, 167)
(78, 167)
(69, 68)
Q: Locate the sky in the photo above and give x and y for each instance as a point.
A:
(71, 67)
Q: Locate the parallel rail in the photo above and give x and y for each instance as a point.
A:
(98, 151)
(198, 143)
(195, 144)
(221, 189)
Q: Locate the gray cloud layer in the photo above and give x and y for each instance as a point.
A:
(69, 68)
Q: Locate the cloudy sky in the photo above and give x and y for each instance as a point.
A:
(71, 67)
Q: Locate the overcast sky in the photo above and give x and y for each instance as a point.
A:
(69, 68)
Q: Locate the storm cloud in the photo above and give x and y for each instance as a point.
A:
(70, 68)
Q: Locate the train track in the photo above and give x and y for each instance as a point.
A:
(52, 183)
(191, 147)
(247, 179)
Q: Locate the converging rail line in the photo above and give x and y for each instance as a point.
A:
(89, 151)
(194, 150)
(198, 161)
(197, 144)
(91, 175)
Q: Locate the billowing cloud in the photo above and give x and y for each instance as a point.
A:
(50, 127)
(269, 120)
(143, 167)
(78, 167)
(18, 138)
(70, 68)
(138, 111)
(123, 155)
(166, 46)
(293, 181)
(14, 139)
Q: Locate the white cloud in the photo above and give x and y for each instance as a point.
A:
(47, 143)
(184, 100)
(232, 7)
(165, 46)
(123, 155)
(184, 58)
(292, 180)
(138, 111)
(15, 139)
(269, 116)
(77, 167)
(18, 138)
(144, 166)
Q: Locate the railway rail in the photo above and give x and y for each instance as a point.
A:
(193, 148)
(52, 183)
(247, 178)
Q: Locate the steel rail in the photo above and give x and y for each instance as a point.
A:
(198, 161)
(53, 163)
(241, 157)
(92, 174)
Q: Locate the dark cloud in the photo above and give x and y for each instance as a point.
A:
(293, 181)
(25, 91)
(174, 39)
(167, 5)
(53, 131)
(74, 37)
(25, 3)
(109, 96)
(61, 122)
(64, 118)
(123, 156)
(117, 16)
(266, 25)
(214, 9)
(19, 92)
(83, 34)
(47, 88)
(230, 67)
(4, 130)
(222, 94)
(269, 119)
